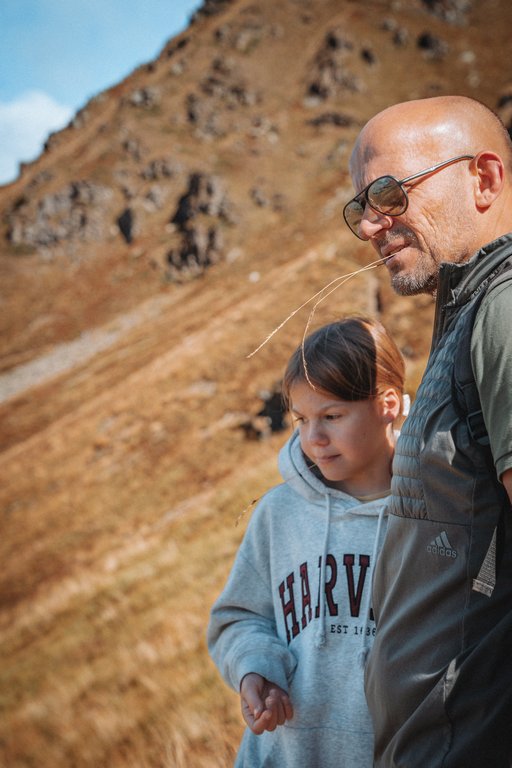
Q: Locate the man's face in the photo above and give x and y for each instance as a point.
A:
(434, 228)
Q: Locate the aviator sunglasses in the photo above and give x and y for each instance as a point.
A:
(387, 195)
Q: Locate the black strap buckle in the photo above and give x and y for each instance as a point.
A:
(477, 428)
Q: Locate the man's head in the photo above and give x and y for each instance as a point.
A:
(450, 212)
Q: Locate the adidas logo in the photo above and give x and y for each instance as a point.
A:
(441, 546)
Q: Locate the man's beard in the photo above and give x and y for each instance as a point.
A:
(413, 284)
(422, 278)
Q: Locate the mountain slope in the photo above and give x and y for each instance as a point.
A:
(160, 238)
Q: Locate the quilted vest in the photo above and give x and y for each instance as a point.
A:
(436, 680)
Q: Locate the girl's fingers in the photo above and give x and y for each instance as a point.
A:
(279, 704)
(264, 714)
(288, 709)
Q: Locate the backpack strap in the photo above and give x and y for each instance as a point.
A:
(465, 396)
(466, 401)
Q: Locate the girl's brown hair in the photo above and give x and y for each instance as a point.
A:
(352, 359)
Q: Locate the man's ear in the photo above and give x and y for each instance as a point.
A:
(489, 171)
(391, 404)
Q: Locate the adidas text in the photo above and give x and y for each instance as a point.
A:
(441, 546)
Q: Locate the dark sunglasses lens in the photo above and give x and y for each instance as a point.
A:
(387, 196)
(353, 214)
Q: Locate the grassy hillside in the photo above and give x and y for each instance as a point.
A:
(127, 476)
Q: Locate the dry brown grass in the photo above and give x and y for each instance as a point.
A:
(120, 500)
(122, 477)
(106, 665)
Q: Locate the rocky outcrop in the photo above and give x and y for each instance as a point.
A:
(338, 119)
(221, 92)
(126, 224)
(271, 418)
(330, 74)
(145, 98)
(432, 45)
(451, 11)
(399, 34)
(78, 212)
(265, 197)
(160, 168)
(205, 195)
(210, 8)
(198, 218)
(241, 37)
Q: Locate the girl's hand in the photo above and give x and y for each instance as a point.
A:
(264, 704)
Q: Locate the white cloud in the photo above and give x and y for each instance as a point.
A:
(25, 124)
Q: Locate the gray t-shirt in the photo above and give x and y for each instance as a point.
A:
(491, 356)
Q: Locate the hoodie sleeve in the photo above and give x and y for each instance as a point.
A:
(242, 635)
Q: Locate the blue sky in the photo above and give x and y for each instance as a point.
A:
(56, 54)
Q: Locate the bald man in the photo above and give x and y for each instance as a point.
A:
(434, 199)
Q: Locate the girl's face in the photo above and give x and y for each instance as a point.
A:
(351, 443)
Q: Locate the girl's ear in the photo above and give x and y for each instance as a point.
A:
(391, 404)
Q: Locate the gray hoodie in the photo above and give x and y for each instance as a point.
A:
(269, 618)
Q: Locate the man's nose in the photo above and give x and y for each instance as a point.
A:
(373, 222)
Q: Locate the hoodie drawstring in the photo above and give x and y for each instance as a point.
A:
(363, 653)
(320, 635)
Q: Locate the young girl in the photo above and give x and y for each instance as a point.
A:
(292, 627)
